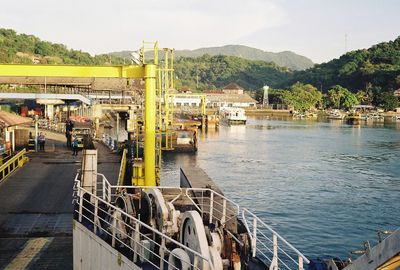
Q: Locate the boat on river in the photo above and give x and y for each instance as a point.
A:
(336, 115)
(353, 118)
(232, 115)
(376, 117)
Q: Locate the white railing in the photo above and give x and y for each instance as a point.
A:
(266, 243)
(133, 238)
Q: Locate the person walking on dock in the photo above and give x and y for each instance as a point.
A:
(41, 141)
(69, 126)
(74, 145)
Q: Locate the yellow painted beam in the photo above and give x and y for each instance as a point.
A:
(150, 126)
(16, 70)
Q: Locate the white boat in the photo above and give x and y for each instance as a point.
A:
(233, 115)
(336, 115)
(377, 117)
(298, 115)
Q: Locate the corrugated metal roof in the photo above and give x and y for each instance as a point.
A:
(10, 119)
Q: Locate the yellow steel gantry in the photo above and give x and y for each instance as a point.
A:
(17, 70)
(146, 71)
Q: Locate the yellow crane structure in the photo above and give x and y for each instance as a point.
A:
(152, 75)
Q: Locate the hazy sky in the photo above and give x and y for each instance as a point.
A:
(313, 28)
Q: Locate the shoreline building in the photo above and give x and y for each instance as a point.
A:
(231, 95)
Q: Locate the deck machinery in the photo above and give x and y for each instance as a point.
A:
(146, 226)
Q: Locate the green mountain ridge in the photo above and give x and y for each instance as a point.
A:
(210, 72)
(28, 49)
(377, 67)
(287, 59)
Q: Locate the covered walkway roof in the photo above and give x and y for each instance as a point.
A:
(10, 119)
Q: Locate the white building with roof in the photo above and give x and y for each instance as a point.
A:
(216, 100)
(231, 95)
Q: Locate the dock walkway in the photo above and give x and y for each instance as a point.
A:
(36, 207)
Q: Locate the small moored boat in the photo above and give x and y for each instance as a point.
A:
(233, 115)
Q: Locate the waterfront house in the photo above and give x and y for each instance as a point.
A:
(217, 100)
(231, 95)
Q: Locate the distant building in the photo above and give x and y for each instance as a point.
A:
(233, 88)
(186, 101)
(230, 100)
(231, 95)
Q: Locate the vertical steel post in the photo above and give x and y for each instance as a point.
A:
(274, 262)
(104, 188)
(162, 254)
(80, 205)
(13, 140)
(95, 219)
(223, 218)
(150, 125)
(136, 242)
(211, 207)
(117, 128)
(254, 238)
(36, 132)
(301, 263)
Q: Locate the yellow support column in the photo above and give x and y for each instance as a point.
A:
(150, 125)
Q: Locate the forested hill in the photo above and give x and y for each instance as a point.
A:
(284, 59)
(208, 72)
(375, 68)
(28, 49)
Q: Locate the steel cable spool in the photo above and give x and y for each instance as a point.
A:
(179, 259)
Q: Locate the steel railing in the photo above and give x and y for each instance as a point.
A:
(12, 164)
(121, 174)
(266, 243)
(130, 236)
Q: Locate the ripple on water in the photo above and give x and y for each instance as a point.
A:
(326, 187)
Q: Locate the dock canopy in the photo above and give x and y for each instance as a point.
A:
(10, 119)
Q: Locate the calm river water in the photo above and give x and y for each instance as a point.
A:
(325, 187)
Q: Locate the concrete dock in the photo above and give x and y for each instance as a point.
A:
(36, 207)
